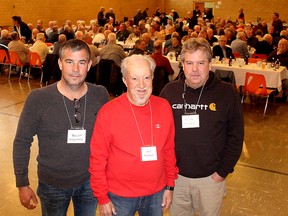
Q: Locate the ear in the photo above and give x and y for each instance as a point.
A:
(89, 65)
(124, 81)
(60, 64)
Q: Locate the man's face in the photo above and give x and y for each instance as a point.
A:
(282, 46)
(74, 67)
(223, 41)
(136, 31)
(138, 82)
(142, 45)
(196, 68)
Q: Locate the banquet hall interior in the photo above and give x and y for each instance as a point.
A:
(257, 187)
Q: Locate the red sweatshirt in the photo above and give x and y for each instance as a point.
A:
(115, 162)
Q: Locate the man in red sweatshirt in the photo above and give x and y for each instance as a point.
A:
(132, 162)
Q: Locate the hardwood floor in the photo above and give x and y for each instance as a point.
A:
(258, 187)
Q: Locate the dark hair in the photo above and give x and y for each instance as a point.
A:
(14, 36)
(17, 18)
(276, 14)
(74, 45)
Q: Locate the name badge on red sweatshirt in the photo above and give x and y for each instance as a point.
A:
(149, 153)
(76, 136)
(190, 121)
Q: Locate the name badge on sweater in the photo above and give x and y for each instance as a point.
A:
(76, 136)
(190, 121)
(149, 153)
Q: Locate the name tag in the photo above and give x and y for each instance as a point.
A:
(76, 136)
(149, 153)
(190, 121)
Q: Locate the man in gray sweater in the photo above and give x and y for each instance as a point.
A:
(62, 116)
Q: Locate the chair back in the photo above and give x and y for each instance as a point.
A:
(160, 79)
(255, 84)
(236, 55)
(4, 57)
(34, 59)
(226, 76)
(51, 68)
(49, 44)
(253, 60)
(259, 56)
(14, 58)
(109, 75)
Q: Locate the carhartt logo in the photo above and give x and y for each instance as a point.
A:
(157, 126)
(212, 107)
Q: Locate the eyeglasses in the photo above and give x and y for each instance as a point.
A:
(77, 114)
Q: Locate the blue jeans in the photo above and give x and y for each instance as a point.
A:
(55, 201)
(146, 205)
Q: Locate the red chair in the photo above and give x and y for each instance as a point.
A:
(15, 61)
(49, 44)
(253, 60)
(255, 85)
(4, 57)
(259, 56)
(35, 62)
(236, 55)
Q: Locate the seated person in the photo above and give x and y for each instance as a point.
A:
(123, 33)
(149, 43)
(40, 47)
(239, 45)
(112, 51)
(57, 45)
(222, 50)
(135, 35)
(19, 47)
(159, 59)
(210, 37)
(282, 55)
(265, 46)
(251, 39)
(4, 39)
(175, 46)
(139, 48)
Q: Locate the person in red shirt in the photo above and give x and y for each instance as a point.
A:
(132, 162)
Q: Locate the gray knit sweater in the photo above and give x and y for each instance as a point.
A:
(60, 164)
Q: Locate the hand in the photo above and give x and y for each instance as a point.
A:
(107, 209)
(167, 199)
(26, 194)
(216, 177)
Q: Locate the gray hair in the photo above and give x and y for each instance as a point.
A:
(137, 58)
(4, 33)
(194, 44)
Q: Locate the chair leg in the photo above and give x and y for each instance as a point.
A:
(266, 104)
(242, 100)
(10, 68)
(41, 78)
(21, 70)
(29, 74)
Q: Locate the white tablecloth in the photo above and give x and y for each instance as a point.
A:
(273, 77)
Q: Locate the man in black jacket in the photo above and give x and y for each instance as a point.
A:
(209, 131)
(21, 28)
(222, 50)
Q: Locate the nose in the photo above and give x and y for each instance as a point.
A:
(194, 67)
(75, 67)
(141, 83)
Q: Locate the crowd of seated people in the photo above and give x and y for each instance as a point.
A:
(224, 35)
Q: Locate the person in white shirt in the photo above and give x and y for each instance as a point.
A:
(40, 47)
